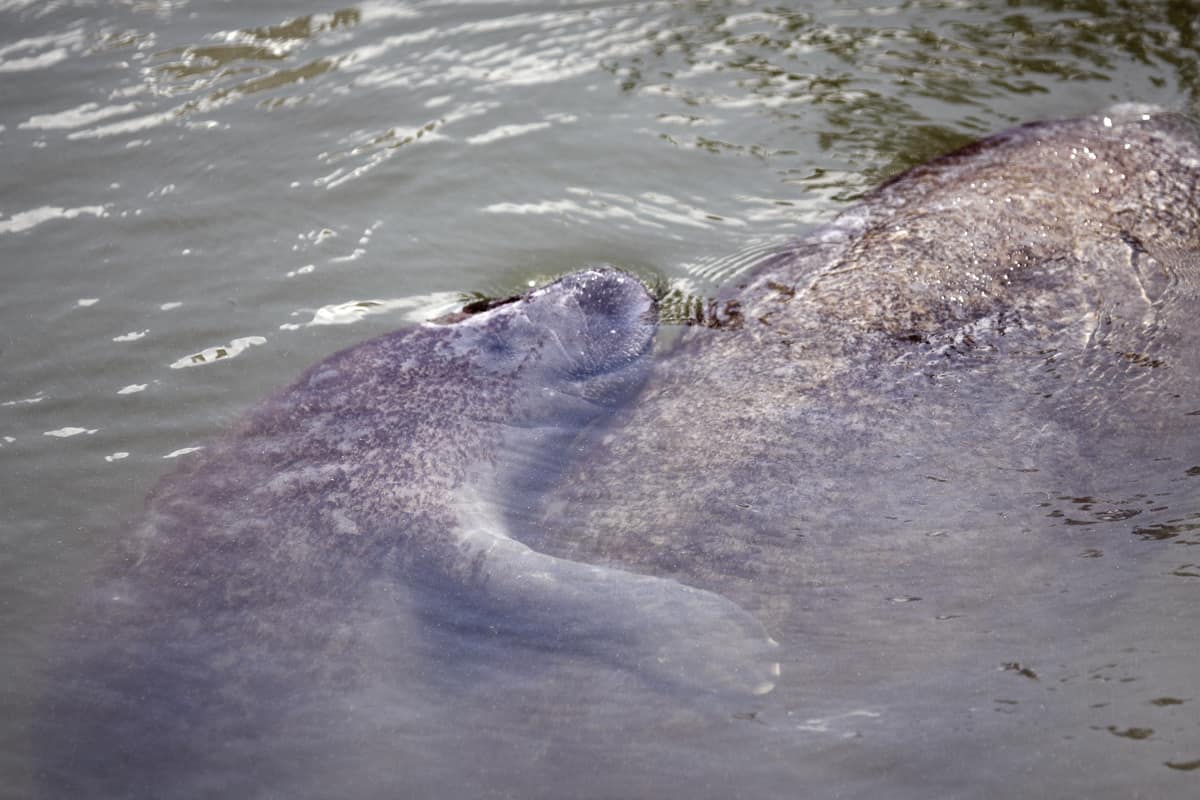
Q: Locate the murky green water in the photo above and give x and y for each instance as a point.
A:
(199, 199)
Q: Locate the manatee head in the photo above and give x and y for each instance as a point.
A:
(548, 366)
(581, 338)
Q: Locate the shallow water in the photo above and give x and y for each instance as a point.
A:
(202, 199)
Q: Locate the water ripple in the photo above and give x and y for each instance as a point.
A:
(24, 220)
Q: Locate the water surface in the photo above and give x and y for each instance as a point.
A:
(200, 199)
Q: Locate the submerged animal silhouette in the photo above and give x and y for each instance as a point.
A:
(258, 591)
(527, 497)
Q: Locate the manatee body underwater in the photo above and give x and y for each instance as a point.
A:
(264, 594)
(891, 522)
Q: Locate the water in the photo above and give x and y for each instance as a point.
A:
(201, 199)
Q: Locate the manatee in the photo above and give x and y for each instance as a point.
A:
(274, 588)
(464, 560)
(926, 445)
(1043, 279)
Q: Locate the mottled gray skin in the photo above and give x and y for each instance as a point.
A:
(909, 445)
(1077, 237)
(271, 603)
(378, 586)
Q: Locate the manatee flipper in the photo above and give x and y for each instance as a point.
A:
(585, 329)
(281, 592)
(663, 631)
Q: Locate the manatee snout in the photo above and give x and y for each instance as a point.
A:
(602, 322)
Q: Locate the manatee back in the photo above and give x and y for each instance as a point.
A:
(1011, 321)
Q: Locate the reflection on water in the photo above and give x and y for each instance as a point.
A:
(24, 220)
(248, 188)
(419, 309)
(882, 77)
(272, 43)
(212, 354)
